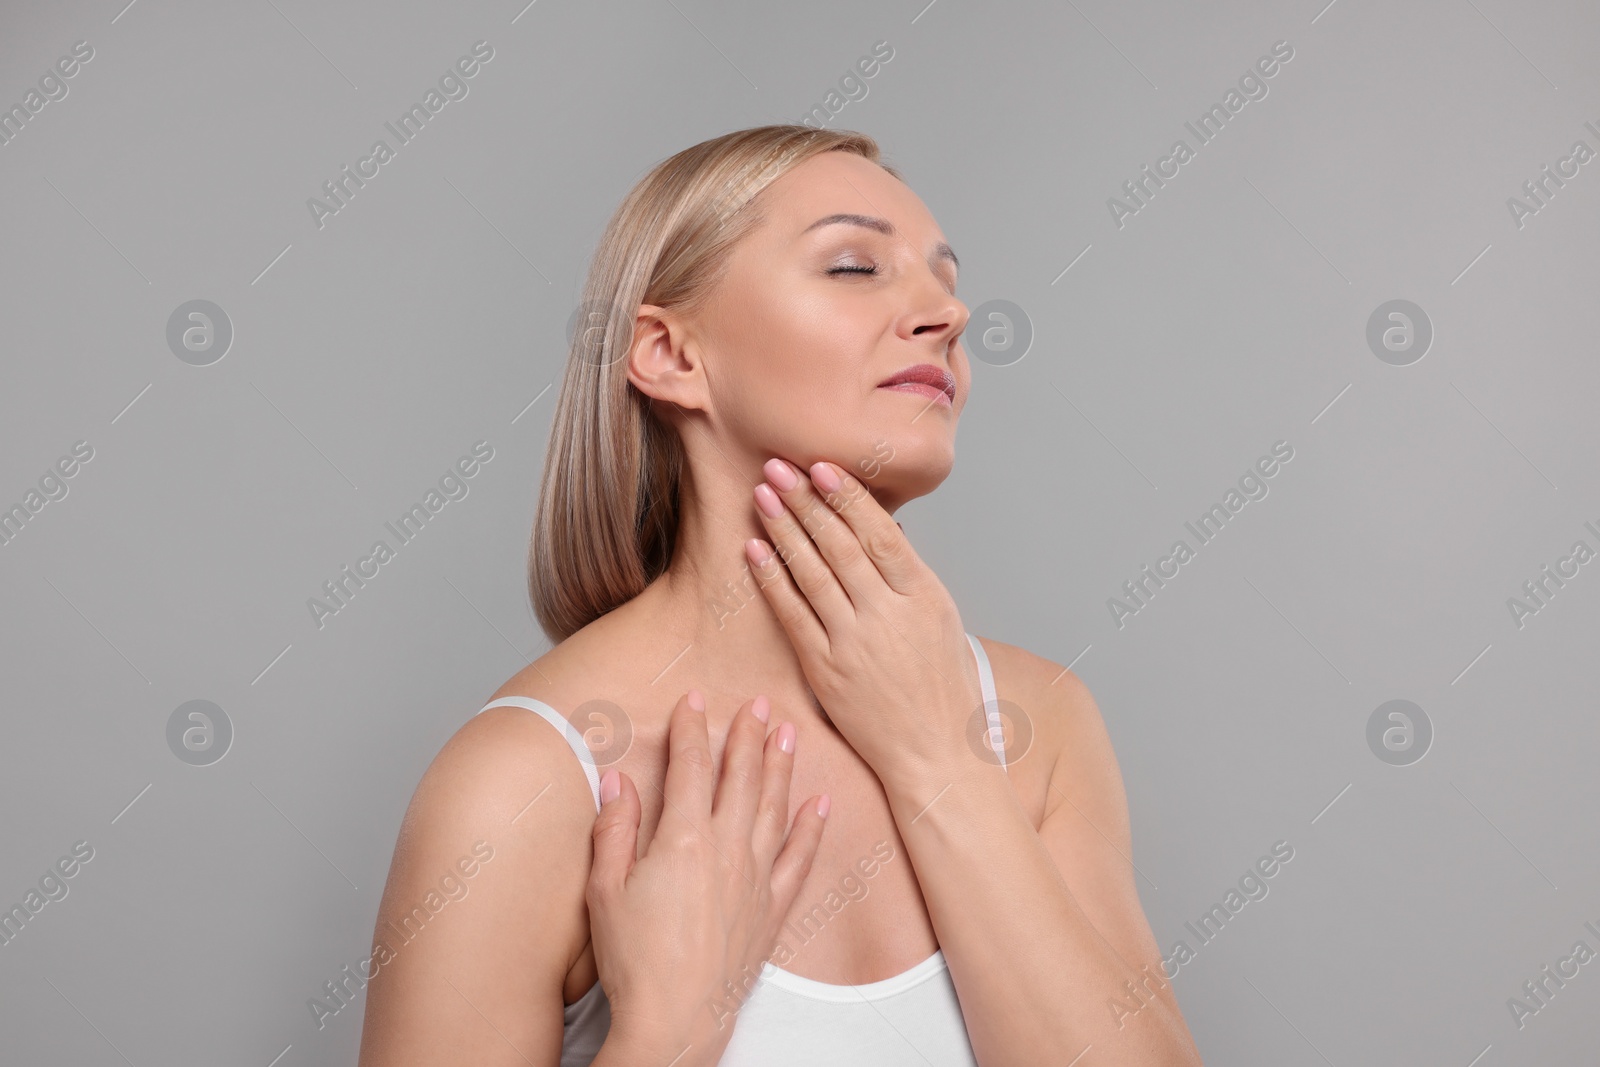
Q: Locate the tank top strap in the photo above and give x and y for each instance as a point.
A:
(991, 700)
(568, 731)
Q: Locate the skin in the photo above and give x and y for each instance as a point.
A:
(784, 362)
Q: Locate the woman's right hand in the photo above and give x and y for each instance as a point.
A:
(681, 933)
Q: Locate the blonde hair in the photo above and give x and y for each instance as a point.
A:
(607, 514)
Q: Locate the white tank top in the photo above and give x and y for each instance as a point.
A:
(911, 1019)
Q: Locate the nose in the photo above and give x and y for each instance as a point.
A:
(945, 316)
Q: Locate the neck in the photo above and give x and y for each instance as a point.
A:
(709, 603)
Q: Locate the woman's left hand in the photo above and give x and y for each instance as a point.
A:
(878, 635)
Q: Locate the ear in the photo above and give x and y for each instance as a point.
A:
(661, 365)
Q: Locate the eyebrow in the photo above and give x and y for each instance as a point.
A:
(883, 226)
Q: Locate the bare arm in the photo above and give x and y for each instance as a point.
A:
(1043, 930)
(483, 913)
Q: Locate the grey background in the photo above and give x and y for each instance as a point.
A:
(1229, 313)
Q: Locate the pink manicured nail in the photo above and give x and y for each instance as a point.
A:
(825, 479)
(786, 737)
(761, 709)
(757, 553)
(696, 701)
(769, 503)
(610, 786)
(779, 474)
(823, 804)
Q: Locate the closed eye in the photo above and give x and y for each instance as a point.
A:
(853, 270)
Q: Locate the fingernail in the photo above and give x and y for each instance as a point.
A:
(769, 503)
(696, 701)
(610, 786)
(786, 737)
(761, 709)
(823, 804)
(826, 480)
(779, 474)
(757, 553)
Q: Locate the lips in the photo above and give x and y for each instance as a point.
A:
(936, 380)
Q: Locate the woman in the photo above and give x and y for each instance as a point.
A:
(776, 370)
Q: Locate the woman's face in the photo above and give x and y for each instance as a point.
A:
(816, 311)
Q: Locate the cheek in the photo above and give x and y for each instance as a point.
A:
(809, 363)
(833, 342)
(794, 363)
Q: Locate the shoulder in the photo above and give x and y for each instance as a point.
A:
(504, 759)
(1042, 688)
(498, 755)
(508, 778)
(1084, 818)
(1067, 732)
(484, 772)
(503, 816)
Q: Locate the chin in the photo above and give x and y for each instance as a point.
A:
(907, 462)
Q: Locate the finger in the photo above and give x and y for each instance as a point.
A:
(772, 811)
(739, 787)
(794, 862)
(836, 541)
(791, 532)
(882, 540)
(616, 833)
(689, 769)
(788, 603)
